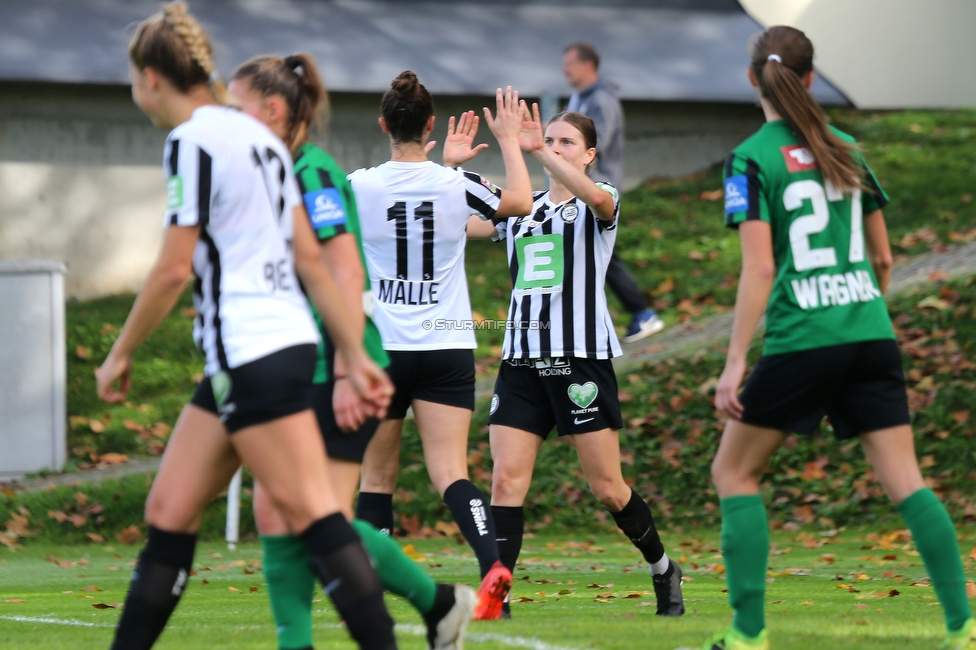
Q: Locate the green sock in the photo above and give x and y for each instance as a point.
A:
(397, 572)
(745, 545)
(291, 585)
(935, 539)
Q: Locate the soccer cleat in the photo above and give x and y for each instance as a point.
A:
(964, 639)
(507, 608)
(491, 594)
(449, 617)
(732, 639)
(643, 325)
(667, 588)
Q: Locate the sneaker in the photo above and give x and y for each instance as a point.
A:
(449, 617)
(643, 325)
(732, 639)
(667, 588)
(964, 639)
(491, 594)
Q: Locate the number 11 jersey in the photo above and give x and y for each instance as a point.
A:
(825, 291)
(413, 217)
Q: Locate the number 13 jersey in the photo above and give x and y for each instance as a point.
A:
(825, 291)
(413, 217)
(230, 176)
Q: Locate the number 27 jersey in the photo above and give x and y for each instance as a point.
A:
(825, 291)
(413, 217)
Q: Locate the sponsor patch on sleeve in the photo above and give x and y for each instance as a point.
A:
(798, 159)
(174, 192)
(325, 208)
(736, 194)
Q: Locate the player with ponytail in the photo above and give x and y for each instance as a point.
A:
(234, 219)
(816, 259)
(287, 94)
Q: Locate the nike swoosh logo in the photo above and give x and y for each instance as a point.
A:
(578, 421)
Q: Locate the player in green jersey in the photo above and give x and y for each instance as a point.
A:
(287, 95)
(815, 257)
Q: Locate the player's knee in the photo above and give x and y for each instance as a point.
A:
(611, 494)
(507, 485)
(170, 515)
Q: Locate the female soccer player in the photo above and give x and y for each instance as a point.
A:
(413, 215)
(287, 94)
(556, 369)
(234, 218)
(815, 256)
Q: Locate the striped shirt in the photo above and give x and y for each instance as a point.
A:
(230, 176)
(414, 219)
(558, 257)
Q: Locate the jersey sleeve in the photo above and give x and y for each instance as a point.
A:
(325, 201)
(616, 206)
(744, 198)
(501, 229)
(189, 183)
(875, 197)
(482, 195)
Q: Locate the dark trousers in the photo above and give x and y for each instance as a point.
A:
(622, 283)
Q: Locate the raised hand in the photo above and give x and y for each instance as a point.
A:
(530, 137)
(457, 145)
(507, 121)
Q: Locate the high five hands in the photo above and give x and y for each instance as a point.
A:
(505, 124)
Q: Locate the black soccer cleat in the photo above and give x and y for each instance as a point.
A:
(506, 610)
(667, 588)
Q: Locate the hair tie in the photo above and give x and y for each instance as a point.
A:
(774, 57)
(294, 63)
(214, 77)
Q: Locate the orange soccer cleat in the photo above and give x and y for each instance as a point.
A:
(491, 594)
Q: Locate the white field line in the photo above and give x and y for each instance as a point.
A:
(529, 643)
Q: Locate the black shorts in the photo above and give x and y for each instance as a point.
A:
(338, 443)
(572, 394)
(259, 391)
(438, 376)
(859, 386)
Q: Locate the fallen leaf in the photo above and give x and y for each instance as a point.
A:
(932, 302)
(234, 589)
(524, 599)
(893, 592)
(971, 589)
(83, 353)
(96, 425)
(104, 606)
(129, 535)
(696, 255)
(112, 459)
(447, 528)
(92, 588)
(14, 600)
(95, 537)
(711, 195)
(252, 589)
(665, 287)
(960, 416)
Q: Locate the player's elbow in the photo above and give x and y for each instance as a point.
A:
(760, 271)
(524, 204)
(882, 261)
(174, 274)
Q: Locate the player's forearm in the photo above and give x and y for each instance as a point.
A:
(349, 281)
(879, 250)
(479, 228)
(577, 182)
(157, 298)
(517, 178)
(755, 285)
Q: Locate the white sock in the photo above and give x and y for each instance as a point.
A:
(659, 567)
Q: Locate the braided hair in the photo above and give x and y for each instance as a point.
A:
(174, 44)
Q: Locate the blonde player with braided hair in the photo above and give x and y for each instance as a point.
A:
(234, 219)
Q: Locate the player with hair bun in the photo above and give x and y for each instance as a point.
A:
(288, 95)
(234, 219)
(556, 369)
(413, 215)
(815, 257)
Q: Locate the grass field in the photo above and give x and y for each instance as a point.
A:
(857, 589)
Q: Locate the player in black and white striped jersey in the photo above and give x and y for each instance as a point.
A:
(413, 214)
(556, 369)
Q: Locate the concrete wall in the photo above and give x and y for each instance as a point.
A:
(81, 178)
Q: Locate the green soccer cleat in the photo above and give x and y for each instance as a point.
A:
(732, 639)
(964, 639)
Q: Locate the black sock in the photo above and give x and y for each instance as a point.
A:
(376, 508)
(157, 583)
(341, 563)
(509, 528)
(470, 510)
(638, 524)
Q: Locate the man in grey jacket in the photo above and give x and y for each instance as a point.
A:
(597, 98)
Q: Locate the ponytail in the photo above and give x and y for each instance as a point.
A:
(781, 58)
(296, 79)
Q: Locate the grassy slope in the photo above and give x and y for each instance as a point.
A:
(808, 586)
